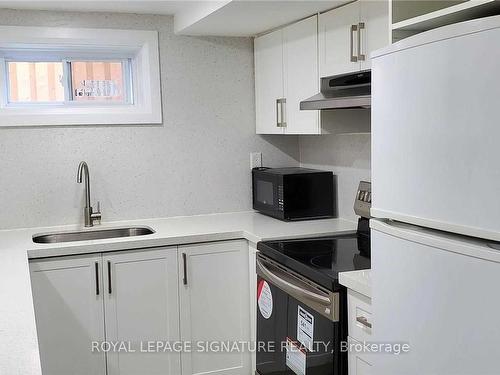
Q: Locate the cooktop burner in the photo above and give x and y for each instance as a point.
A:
(320, 259)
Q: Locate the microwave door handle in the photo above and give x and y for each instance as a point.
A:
(289, 287)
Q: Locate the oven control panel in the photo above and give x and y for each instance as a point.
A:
(363, 200)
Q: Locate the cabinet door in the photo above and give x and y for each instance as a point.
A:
(141, 304)
(375, 31)
(268, 52)
(337, 42)
(68, 301)
(214, 300)
(301, 75)
(357, 363)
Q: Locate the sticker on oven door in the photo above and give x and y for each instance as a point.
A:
(305, 328)
(265, 299)
(295, 358)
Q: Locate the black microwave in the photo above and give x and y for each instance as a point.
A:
(293, 193)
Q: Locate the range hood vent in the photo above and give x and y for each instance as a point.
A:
(351, 90)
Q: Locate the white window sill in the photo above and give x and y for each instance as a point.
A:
(115, 115)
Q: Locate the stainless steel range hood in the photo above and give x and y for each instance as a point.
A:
(351, 90)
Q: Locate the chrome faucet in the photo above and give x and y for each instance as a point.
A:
(88, 213)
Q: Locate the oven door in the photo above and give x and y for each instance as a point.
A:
(300, 320)
(272, 309)
(267, 194)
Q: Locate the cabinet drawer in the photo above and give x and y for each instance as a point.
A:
(358, 363)
(360, 316)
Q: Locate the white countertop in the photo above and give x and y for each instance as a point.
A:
(359, 281)
(18, 338)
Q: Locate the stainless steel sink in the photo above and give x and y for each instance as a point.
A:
(95, 234)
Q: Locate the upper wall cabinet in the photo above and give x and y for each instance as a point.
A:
(286, 72)
(347, 36)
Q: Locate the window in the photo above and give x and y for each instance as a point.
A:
(100, 81)
(68, 82)
(35, 82)
(51, 76)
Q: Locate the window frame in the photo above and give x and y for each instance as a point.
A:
(137, 50)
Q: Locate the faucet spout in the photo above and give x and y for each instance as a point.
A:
(84, 169)
(89, 215)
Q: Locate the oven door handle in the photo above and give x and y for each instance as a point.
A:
(288, 285)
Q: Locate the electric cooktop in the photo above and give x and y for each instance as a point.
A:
(320, 259)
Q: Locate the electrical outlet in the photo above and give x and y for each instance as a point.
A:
(255, 160)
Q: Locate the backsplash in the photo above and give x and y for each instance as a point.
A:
(345, 151)
(196, 162)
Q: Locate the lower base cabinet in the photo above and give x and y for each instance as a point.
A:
(358, 363)
(360, 331)
(69, 312)
(215, 307)
(138, 299)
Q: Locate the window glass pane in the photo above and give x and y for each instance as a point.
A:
(35, 82)
(98, 81)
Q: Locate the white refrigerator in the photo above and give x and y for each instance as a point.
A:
(436, 201)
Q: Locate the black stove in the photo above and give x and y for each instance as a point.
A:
(321, 259)
(300, 300)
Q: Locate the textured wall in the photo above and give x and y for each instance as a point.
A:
(345, 151)
(196, 162)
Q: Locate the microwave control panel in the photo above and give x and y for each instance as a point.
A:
(280, 198)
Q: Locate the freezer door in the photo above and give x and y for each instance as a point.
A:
(439, 295)
(435, 130)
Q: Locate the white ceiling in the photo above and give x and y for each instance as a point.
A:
(195, 17)
(250, 18)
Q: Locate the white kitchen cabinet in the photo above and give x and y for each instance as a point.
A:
(68, 300)
(360, 316)
(358, 363)
(268, 50)
(348, 34)
(376, 32)
(128, 296)
(359, 328)
(140, 299)
(136, 297)
(214, 306)
(337, 40)
(286, 72)
(301, 75)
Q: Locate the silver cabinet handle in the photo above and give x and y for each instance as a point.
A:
(184, 266)
(281, 113)
(361, 26)
(289, 285)
(354, 28)
(278, 113)
(96, 278)
(364, 321)
(109, 277)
